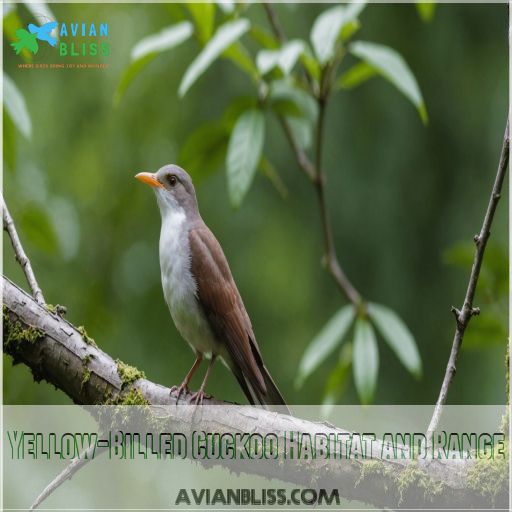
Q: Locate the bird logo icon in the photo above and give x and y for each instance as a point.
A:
(28, 38)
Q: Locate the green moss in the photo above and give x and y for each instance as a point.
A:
(107, 397)
(489, 477)
(85, 336)
(87, 373)
(128, 374)
(86, 377)
(56, 309)
(132, 397)
(371, 468)
(15, 332)
(414, 477)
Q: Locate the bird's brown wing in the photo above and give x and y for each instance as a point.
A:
(223, 307)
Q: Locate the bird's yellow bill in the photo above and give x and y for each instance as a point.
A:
(149, 178)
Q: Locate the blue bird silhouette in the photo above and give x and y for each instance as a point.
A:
(43, 32)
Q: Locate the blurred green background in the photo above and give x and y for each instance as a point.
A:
(405, 201)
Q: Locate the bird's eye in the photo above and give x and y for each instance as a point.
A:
(172, 180)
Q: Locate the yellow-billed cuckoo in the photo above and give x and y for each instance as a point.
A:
(200, 291)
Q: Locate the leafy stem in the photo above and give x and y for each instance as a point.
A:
(314, 171)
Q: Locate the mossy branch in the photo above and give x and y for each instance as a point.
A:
(60, 353)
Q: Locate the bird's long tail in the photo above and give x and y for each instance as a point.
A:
(271, 399)
(273, 396)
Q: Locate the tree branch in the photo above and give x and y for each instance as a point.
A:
(73, 467)
(274, 22)
(331, 258)
(303, 160)
(60, 353)
(20, 255)
(463, 316)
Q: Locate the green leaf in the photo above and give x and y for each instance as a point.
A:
(285, 58)
(166, 39)
(310, 63)
(289, 55)
(338, 379)
(397, 335)
(350, 29)
(204, 16)
(149, 48)
(244, 153)
(365, 360)
(285, 90)
(355, 76)
(302, 129)
(9, 142)
(266, 60)
(283, 94)
(263, 37)
(390, 64)
(241, 58)
(328, 28)
(324, 343)
(224, 37)
(14, 103)
(426, 10)
(226, 6)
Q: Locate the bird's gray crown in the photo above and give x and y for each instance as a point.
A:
(177, 191)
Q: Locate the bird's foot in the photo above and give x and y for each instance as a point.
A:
(197, 397)
(179, 390)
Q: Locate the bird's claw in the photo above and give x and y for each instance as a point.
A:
(197, 397)
(179, 390)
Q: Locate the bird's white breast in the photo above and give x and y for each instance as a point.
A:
(179, 285)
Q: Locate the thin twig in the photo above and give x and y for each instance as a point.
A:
(331, 258)
(68, 472)
(305, 164)
(20, 254)
(463, 316)
(274, 22)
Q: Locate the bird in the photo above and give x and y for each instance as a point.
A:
(43, 33)
(202, 295)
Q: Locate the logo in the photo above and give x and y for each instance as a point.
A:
(28, 38)
(73, 39)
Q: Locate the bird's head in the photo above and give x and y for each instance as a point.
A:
(173, 188)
